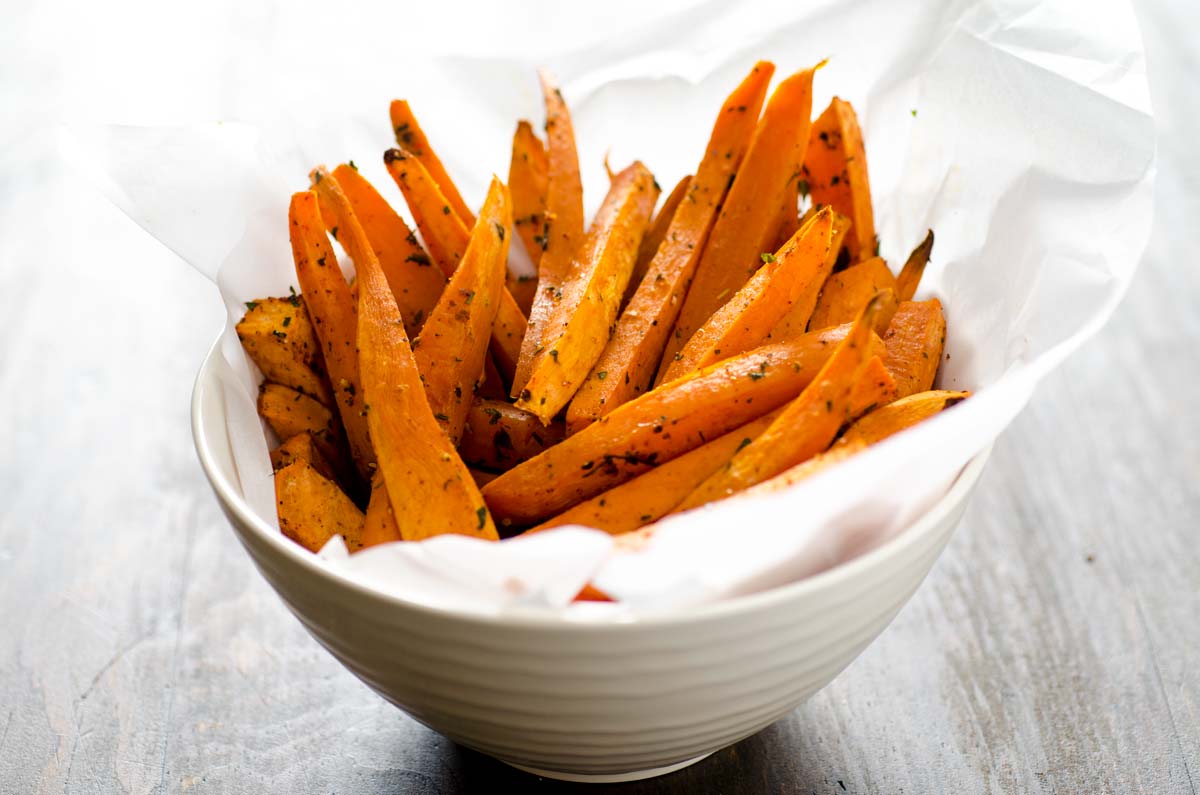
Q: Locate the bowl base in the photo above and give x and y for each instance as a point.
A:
(609, 778)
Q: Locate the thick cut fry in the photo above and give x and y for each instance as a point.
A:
(416, 283)
(653, 495)
(332, 309)
(629, 362)
(845, 292)
(453, 345)
(447, 237)
(429, 486)
(562, 226)
(527, 183)
(278, 337)
(411, 137)
(661, 425)
(498, 435)
(313, 510)
(914, 340)
(749, 216)
(806, 427)
(806, 469)
(910, 274)
(380, 526)
(655, 233)
(795, 322)
(835, 169)
(579, 325)
(302, 447)
(896, 416)
(746, 320)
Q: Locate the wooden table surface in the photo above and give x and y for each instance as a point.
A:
(1054, 648)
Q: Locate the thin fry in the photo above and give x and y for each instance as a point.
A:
(835, 170)
(656, 232)
(899, 415)
(527, 182)
(910, 275)
(411, 137)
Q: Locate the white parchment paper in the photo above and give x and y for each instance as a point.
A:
(1021, 132)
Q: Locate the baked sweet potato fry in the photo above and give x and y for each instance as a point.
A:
(312, 509)
(835, 169)
(914, 341)
(846, 291)
(279, 338)
(655, 233)
(654, 494)
(899, 415)
(874, 388)
(429, 486)
(749, 217)
(332, 309)
(527, 183)
(447, 237)
(302, 447)
(661, 425)
(578, 326)
(745, 321)
(796, 320)
(910, 275)
(379, 526)
(453, 344)
(411, 137)
(415, 281)
(498, 435)
(290, 413)
(628, 364)
(562, 225)
(806, 469)
(806, 427)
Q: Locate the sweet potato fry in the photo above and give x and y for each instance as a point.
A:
(749, 216)
(845, 292)
(652, 495)
(483, 477)
(899, 415)
(379, 526)
(302, 447)
(746, 320)
(415, 281)
(429, 486)
(874, 388)
(290, 413)
(411, 137)
(655, 233)
(527, 183)
(332, 309)
(789, 220)
(453, 344)
(835, 169)
(795, 322)
(581, 320)
(914, 340)
(562, 226)
(806, 427)
(447, 237)
(313, 509)
(278, 337)
(910, 274)
(629, 362)
(661, 425)
(806, 469)
(498, 435)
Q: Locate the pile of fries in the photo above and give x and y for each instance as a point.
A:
(739, 339)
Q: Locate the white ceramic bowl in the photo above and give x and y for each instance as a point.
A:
(587, 702)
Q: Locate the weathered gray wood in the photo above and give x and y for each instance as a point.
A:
(1055, 647)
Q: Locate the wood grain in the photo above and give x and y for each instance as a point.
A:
(1053, 648)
